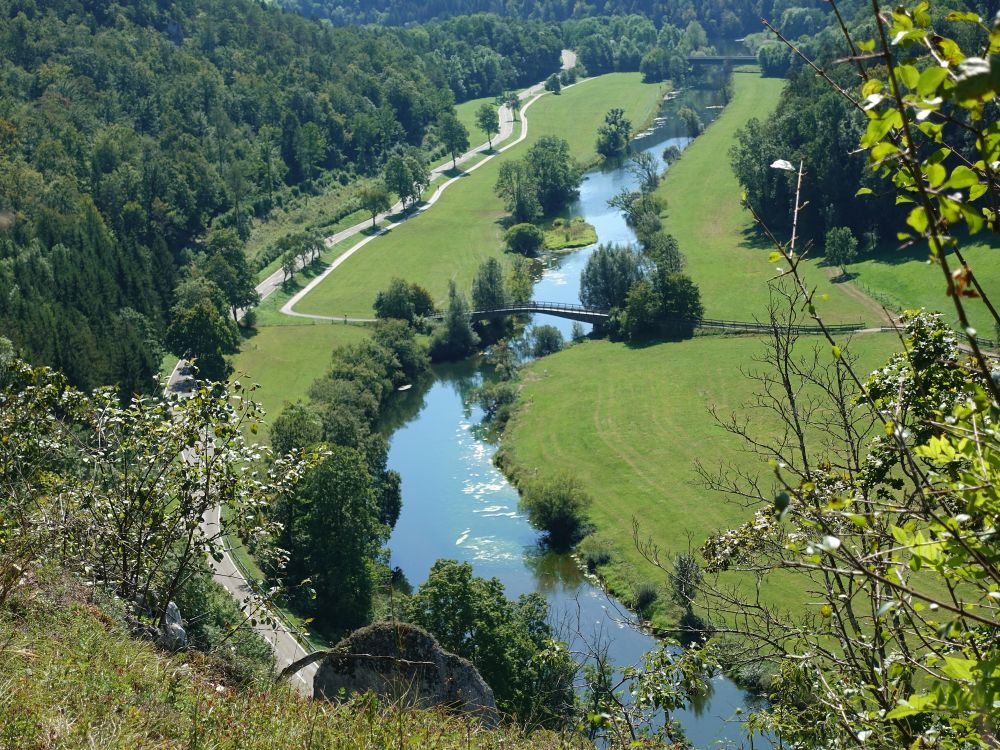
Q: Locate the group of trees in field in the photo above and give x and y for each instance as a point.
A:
(541, 182)
(643, 286)
(334, 525)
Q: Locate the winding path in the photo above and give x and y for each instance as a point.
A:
(287, 645)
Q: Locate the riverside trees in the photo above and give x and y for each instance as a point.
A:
(540, 183)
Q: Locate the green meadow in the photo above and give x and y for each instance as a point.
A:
(464, 227)
(632, 423)
(285, 360)
(726, 256)
(904, 279)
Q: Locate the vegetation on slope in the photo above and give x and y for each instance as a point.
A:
(74, 678)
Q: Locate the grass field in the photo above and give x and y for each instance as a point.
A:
(463, 228)
(630, 423)
(903, 279)
(724, 254)
(285, 360)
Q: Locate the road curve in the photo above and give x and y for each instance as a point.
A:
(287, 646)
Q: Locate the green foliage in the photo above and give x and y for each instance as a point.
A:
(614, 135)
(332, 531)
(215, 625)
(127, 487)
(488, 120)
(453, 134)
(558, 506)
(374, 198)
(454, 339)
(552, 84)
(643, 596)
(594, 552)
(517, 185)
(556, 172)
(840, 248)
(546, 340)
(403, 301)
(407, 176)
(203, 334)
(524, 238)
(692, 122)
(296, 428)
(610, 272)
(664, 304)
(488, 288)
(510, 643)
(129, 132)
(685, 579)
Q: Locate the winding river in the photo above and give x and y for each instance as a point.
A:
(457, 505)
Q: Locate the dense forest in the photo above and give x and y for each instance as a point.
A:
(127, 131)
(726, 18)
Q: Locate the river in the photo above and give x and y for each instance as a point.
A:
(457, 505)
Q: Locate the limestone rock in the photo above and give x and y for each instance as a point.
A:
(403, 663)
(173, 636)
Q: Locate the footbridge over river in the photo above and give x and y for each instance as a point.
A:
(558, 309)
(722, 59)
(599, 316)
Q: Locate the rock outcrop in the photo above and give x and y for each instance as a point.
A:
(404, 664)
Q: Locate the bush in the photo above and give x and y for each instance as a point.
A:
(594, 552)
(557, 505)
(215, 625)
(547, 340)
(643, 595)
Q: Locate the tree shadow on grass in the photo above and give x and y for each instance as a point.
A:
(754, 238)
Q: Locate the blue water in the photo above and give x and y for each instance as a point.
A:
(457, 505)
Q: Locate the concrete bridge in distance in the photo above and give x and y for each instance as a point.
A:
(722, 59)
(558, 309)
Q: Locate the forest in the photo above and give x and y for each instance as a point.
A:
(727, 18)
(127, 131)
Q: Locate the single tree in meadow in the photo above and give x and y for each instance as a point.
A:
(488, 120)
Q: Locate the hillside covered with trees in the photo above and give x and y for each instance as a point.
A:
(727, 18)
(127, 131)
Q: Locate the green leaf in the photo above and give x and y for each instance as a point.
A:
(957, 16)
(836, 351)
(930, 79)
(774, 257)
(918, 219)
(962, 177)
(863, 191)
(936, 174)
(908, 75)
(960, 669)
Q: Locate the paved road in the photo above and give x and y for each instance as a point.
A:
(287, 646)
